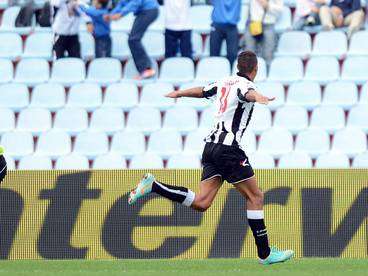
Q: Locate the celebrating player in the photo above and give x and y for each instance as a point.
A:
(222, 157)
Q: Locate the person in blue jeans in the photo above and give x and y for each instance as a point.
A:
(101, 28)
(225, 17)
(146, 11)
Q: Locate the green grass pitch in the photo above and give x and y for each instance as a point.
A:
(212, 267)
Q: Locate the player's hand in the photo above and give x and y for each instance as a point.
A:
(264, 100)
(173, 94)
(116, 16)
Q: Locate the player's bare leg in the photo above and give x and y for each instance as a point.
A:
(200, 202)
(254, 196)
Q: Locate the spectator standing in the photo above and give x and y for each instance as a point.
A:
(260, 34)
(307, 13)
(225, 17)
(342, 13)
(146, 11)
(66, 27)
(178, 33)
(101, 28)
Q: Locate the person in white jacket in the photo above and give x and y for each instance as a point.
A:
(267, 12)
(178, 33)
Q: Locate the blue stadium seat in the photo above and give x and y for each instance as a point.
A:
(200, 16)
(154, 42)
(322, 69)
(159, 24)
(262, 69)
(313, 141)
(165, 143)
(153, 95)
(177, 70)
(249, 142)
(121, 95)
(361, 161)
(87, 43)
(284, 21)
(286, 70)
(145, 119)
(48, 95)
(273, 89)
(207, 121)
(7, 122)
(358, 117)
(35, 162)
(146, 161)
(130, 72)
(3, 4)
(295, 160)
(261, 119)
(91, 144)
(276, 142)
(68, 71)
(104, 71)
(17, 144)
(53, 144)
(124, 24)
(8, 21)
(323, 45)
(332, 160)
(119, 47)
(220, 68)
(72, 162)
(6, 71)
(181, 161)
(197, 44)
(350, 141)
(358, 44)
(11, 46)
(182, 119)
(85, 95)
(10, 162)
(39, 45)
(71, 120)
(223, 51)
(14, 96)
(197, 103)
(108, 120)
(109, 161)
(294, 44)
(340, 93)
(128, 143)
(194, 142)
(32, 71)
(355, 69)
(34, 120)
(293, 118)
(260, 160)
(304, 93)
(329, 118)
(364, 95)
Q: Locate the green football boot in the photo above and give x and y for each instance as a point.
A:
(144, 188)
(277, 256)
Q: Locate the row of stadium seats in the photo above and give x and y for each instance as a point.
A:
(294, 43)
(181, 161)
(104, 71)
(74, 119)
(200, 17)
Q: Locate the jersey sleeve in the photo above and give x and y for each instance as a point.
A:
(210, 91)
(243, 90)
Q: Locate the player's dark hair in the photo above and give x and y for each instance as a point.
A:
(104, 3)
(247, 61)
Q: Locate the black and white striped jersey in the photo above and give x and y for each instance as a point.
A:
(232, 111)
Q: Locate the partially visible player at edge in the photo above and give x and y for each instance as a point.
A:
(2, 164)
(222, 157)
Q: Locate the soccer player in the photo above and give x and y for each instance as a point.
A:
(2, 164)
(222, 157)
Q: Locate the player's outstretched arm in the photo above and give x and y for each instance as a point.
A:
(196, 92)
(254, 96)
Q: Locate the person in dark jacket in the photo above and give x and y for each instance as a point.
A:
(146, 12)
(342, 13)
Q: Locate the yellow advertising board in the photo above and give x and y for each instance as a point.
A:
(85, 214)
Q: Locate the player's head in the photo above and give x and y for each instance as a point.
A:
(248, 64)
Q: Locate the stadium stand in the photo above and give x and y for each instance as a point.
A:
(92, 113)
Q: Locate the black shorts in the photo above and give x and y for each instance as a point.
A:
(2, 168)
(228, 162)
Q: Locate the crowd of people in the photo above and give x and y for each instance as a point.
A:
(260, 35)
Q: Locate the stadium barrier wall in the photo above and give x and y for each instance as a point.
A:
(84, 214)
